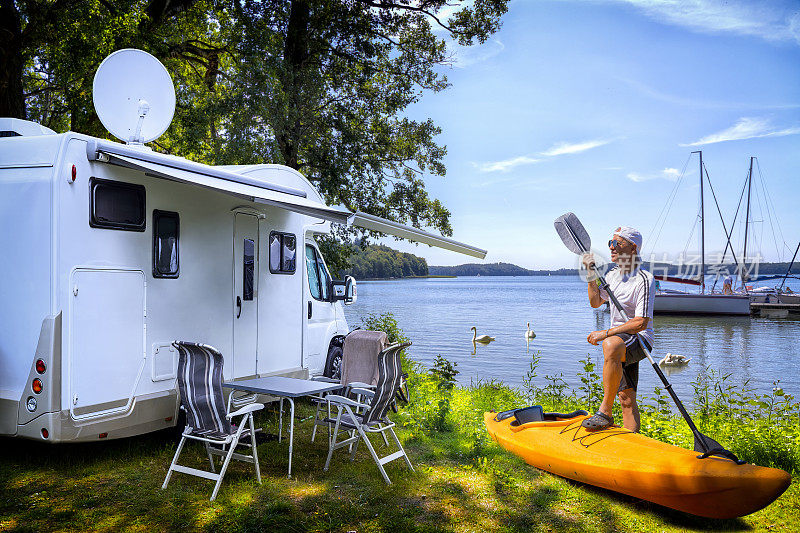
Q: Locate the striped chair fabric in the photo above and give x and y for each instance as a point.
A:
(200, 387)
(207, 419)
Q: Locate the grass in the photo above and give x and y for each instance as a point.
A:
(463, 481)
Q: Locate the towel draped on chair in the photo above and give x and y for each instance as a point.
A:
(360, 357)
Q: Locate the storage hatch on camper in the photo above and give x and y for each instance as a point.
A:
(108, 340)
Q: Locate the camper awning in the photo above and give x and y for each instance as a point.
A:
(253, 193)
(371, 222)
(170, 168)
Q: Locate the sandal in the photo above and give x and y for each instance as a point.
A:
(597, 421)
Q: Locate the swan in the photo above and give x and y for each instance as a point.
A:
(530, 334)
(483, 339)
(673, 359)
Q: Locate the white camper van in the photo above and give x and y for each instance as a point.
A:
(111, 251)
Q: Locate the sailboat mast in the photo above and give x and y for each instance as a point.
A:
(747, 217)
(789, 270)
(702, 232)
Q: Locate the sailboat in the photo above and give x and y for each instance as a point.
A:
(702, 303)
(778, 294)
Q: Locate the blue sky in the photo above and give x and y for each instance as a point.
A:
(594, 107)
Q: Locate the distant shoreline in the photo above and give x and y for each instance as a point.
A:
(405, 277)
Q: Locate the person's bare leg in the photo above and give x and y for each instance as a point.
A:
(613, 356)
(630, 409)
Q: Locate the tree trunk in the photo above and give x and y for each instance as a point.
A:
(294, 57)
(12, 99)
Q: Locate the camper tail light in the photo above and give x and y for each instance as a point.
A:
(36, 386)
(40, 366)
(74, 174)
(31, 404)
(45, 433)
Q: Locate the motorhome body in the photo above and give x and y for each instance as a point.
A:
(111, 252)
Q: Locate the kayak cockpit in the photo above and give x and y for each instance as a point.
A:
(535, 413)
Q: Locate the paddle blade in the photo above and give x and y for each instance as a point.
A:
(708, 447)
(572, 233)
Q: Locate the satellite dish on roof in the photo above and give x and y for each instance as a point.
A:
(134, 96)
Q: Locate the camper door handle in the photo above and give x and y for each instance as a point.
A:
(309, 309)
(239, 306)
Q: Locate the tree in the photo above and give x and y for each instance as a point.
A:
(323, 86)
(60, 44)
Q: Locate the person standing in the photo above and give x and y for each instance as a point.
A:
(634, 288)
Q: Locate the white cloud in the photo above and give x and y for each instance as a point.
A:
(465, 56)
(770, 20)
(670, 174)
(505, 165)
(745, 128)
(573, 148)
(556, 150)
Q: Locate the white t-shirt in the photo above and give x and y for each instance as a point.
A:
(636, 293)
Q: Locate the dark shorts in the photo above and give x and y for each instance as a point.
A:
(634, 352)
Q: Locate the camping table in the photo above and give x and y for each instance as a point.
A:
(284, 388)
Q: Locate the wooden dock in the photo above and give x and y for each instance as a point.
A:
(774, 310)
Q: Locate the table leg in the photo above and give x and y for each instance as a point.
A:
(280, 420)
(291, 433)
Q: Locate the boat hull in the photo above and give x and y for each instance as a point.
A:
(619, 460)
(773, 298)
(702, 304)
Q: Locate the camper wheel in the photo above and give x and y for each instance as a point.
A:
(333, 366)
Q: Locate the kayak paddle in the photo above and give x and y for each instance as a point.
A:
(575, 237)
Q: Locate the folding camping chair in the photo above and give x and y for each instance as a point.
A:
(373, 418)
(207, 419)
(358, 369)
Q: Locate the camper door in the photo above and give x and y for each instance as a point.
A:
(320, 310)
(245, 295)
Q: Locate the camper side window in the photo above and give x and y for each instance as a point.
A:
(116, 205)
(248, 264)
(282, 253)
(166, 230)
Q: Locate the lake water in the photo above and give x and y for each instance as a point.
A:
(437, 315)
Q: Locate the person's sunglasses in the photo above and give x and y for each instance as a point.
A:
(614, 244)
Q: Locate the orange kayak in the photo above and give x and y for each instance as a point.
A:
(620, 460)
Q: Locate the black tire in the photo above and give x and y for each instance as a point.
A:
(333, 365)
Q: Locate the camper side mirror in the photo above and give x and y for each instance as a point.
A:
(344, 291)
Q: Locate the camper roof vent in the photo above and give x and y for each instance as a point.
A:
(134, 96)
(15, 127)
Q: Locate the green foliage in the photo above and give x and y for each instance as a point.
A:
(445, 373)
(379, 261)
(760, 428)
(591, 389)
(433, 392)
(531, 389)
(387, 323)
